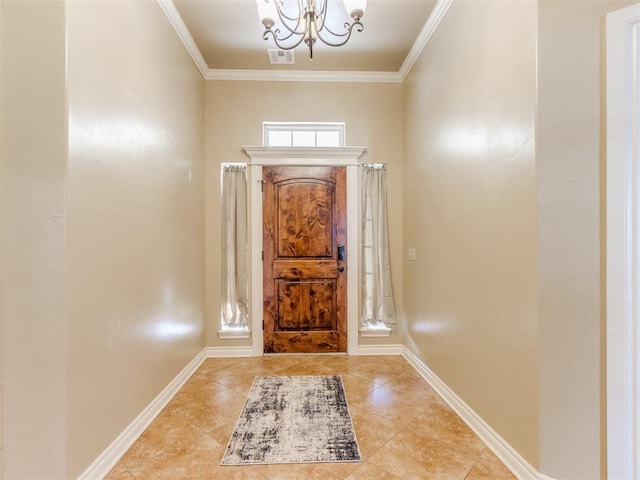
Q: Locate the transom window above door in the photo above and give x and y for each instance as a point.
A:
(303, 134)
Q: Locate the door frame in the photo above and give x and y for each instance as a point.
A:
(275, 156)
(623, 244)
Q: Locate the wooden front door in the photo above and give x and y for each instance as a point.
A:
(304, 241)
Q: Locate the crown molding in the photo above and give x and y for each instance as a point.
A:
(431, 25)
(175, 19)
(304, 76)
(304, 155)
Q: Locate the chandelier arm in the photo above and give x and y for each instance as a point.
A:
(347, 34)
(347, 28)
(276, 35)
(283, 17)
(309, 26)
(294, 30)
(323, 10)
(279, 4)
(277, 41)
(322, 16)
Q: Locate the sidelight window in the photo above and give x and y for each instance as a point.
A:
(234, 322)
(377, 294)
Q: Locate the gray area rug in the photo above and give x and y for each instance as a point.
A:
(298, 419)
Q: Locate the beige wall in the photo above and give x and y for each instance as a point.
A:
(102, 237)
(102, 225)
(470, 213)
(135, 221)
(1, 256)
(33, 150)
(235, 112)
(569, 161)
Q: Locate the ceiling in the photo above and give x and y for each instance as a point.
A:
(228, 34)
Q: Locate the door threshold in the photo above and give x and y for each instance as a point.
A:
(319, 354)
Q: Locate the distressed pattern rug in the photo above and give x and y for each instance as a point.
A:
(297, 419)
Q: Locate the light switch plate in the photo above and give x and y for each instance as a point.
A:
(411, 254)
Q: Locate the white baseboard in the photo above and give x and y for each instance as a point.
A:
(110, 456)
(542, 476)
(380, 349)
(511, 459)
(228, 352)
(507, 455)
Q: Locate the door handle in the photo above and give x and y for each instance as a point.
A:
(341, 268)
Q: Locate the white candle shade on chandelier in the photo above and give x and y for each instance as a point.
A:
(290, 22)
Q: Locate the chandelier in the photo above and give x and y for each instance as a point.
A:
(290, 22)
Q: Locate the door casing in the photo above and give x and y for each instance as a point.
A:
(347, 157)
(623, 243)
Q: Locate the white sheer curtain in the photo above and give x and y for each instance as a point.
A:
(234, 247)
(377, 294)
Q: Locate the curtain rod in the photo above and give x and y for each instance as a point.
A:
(268, 164)
(374, 165)
(234, 166)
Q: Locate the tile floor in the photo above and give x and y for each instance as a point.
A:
(404, 429)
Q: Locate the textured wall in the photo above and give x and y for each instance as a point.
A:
(470, 213)
(235, 112)
(569, 161)
(1, 262)
(33, 152)
(135, 222)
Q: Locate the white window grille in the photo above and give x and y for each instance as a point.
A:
(302, 134)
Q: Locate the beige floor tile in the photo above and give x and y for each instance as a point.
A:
(308, 471)
(210, 419)
(412, 383)
(393, 405)
(392, 360)
(309, 369)
(438, 447)
(222, 434)
(489, 467)
(200, 381)
(119, 472)
(404, 429)
(356, 387)
(213, 411)
(301, 365)
(372, 431)
(372, 371)
(199, 459)
(239, 381)
(368, 471)
(441, 423)
(169, 432)
(424, 460)
(192, 393)
(341, 363)
(212, 365)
